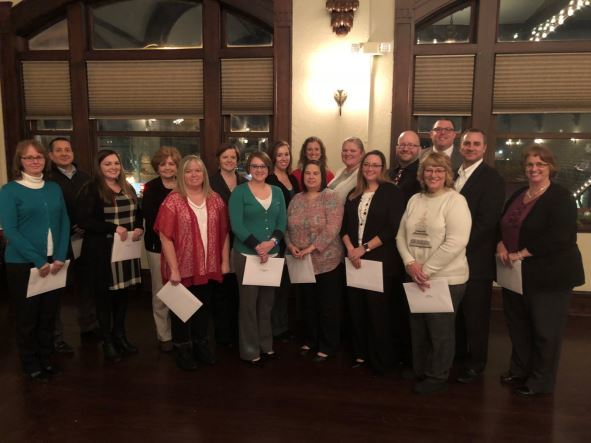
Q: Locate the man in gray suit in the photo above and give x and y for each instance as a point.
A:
(442, 137)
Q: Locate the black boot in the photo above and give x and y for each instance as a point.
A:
(123, 346)
(110, 352)
(203, 352)
(185, 359)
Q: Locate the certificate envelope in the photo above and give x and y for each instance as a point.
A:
(510, 277)
(39, 285)
(369, 276)
(125, 250)
(179, 300)
(436, 298)
(300, 270)
(263, 274)
(76, 241)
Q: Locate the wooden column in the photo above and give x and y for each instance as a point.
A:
(82, 143)
(12, 104)
(403, 71)
(282, 49)
(211, 131)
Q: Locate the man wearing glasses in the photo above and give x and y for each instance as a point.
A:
(442, 137)
(484, 190)
(404, 172)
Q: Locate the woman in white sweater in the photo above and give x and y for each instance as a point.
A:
(432, 239)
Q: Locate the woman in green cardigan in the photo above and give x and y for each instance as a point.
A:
(258, 218)
(37, 229)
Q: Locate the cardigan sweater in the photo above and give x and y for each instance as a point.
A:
(434, 231)
(27, 215)
(253, 224)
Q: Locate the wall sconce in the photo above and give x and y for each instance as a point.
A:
(340, 97)
(342, 13)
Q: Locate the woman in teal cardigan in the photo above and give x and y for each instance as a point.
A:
(258, 218)
(37, 228)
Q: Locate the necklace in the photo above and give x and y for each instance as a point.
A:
(531, 196)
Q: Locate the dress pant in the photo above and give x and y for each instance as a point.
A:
(536, 321)
(87, 321)
(322, 311)
(372, 334)
(280, 312)
(225, 309)
(473, 323)
(35, 318)
(433, 340)
(159, 309)
(111, 310)
(196, 328)
(254, 314)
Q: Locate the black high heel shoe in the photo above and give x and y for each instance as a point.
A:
(123, 346)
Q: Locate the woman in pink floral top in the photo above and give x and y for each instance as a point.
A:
(313, 222)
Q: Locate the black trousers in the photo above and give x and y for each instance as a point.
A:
(322, 311)
(225, 309)
(35, 318)
(536, 321)
(473, 323)
(111, 311)
(371, 327)
(401, 325)
(195, 329)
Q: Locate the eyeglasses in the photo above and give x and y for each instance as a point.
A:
(537, 165)
(407, 146)
(32, 158)
(372, 165)
(432, 171)
(258, 167)
(443, 130)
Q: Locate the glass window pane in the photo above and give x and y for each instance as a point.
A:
(46, 139)
(425, 122)
(54, 37)
(151, 124)
(241, 31)
(248, 145)
(573, 157)
(520, 123)
(453, 28)
(155, 24)
(53, 125)
(250, 123)
(136, 153)
(543, 20)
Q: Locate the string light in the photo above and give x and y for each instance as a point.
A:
(543, 30)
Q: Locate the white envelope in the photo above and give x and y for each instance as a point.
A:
(369, 276)
(125, 250)
(510, 277)
(263, 274)
(435, 299)
(300, 270)
(39, 285)
(179, 300)
(76, 241)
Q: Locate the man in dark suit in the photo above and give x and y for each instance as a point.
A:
(404, 172)
(443, 135)
(484, 190)
(65, 173)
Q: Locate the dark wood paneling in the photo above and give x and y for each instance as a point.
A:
(212, 86)
(45, 55)
(143, 54)
(12, 105)
(445, 49)
(282, 70)
(261, 52)
(82, 144)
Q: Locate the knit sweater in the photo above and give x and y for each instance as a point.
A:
(434, 232)
(253, 224)
(27, 215)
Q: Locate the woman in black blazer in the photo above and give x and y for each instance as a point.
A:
(373, 209)
(225, 301)
(539, 227)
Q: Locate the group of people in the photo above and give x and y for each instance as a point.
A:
(438, 213)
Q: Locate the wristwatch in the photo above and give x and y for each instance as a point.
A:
(366, 247)
(275, 240)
